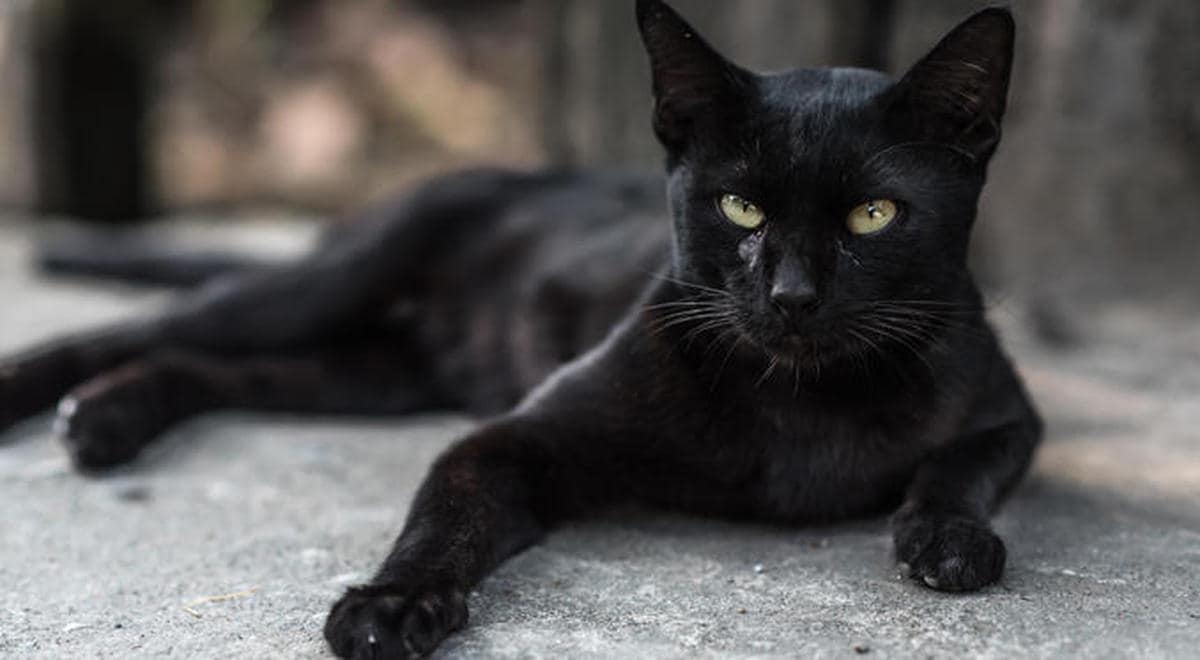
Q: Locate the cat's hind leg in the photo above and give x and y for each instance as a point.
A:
(109, 419)
(345, 286)
(273, 310)
(32, 380)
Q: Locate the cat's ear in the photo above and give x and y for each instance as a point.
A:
(692, 81)
(958, 92)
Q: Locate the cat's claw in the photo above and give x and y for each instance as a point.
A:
(948, 552)
(389, 621)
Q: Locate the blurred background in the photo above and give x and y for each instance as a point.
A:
(255, 123)
(135, 110)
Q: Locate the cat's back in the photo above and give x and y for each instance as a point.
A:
(543, 274)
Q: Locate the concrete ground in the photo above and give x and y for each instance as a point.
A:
(233, 537)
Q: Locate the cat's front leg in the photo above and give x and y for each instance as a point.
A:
(488, 497)
(942, 534)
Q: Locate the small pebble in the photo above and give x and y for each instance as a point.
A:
(742, 610)
(862, 649)
(758, 568)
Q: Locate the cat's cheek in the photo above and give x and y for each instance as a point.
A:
(750, 250)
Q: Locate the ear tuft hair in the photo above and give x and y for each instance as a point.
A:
(958, 92)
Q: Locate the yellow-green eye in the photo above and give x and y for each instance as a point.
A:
(741, 212)
(872, 217)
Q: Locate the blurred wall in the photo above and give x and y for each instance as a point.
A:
(1095, 188)
(15, 174)
(1094, 192)
(333, 102)
(336, 102)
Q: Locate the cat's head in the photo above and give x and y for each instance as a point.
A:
(830, 206)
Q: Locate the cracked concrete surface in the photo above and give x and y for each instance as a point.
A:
(232, 538)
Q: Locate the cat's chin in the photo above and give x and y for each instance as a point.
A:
(811, 353)
(799, 349)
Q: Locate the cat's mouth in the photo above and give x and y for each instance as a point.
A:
(798, 347)
(816, 341)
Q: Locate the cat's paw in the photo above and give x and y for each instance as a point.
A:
(948, 552)
(103, 431)
(389, 621)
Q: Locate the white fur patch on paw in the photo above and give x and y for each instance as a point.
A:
(68, 406)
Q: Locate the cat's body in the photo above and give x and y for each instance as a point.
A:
(541, 273)
(793, 337)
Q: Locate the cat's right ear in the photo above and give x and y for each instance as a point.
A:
(692, 81)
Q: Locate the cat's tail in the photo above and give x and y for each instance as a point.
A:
(141, 261)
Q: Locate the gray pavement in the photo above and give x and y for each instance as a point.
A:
(232, 538)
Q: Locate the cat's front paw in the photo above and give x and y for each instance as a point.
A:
(390, 621)
(948, 552)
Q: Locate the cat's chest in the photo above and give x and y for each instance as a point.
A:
(815, 462)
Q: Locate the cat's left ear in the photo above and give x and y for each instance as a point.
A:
(693, 83)
(958, 92)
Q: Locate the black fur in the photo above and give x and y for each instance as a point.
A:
(795, 373)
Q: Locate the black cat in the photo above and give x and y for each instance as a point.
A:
(802, 342)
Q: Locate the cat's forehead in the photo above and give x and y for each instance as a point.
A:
(806, 116)
(817, 103)
(806, 90)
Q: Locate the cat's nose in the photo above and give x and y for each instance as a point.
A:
(793, 291)
(795, 300)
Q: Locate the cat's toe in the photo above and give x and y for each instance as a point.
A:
(99, 435)
(389, 621)
(949, 553)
